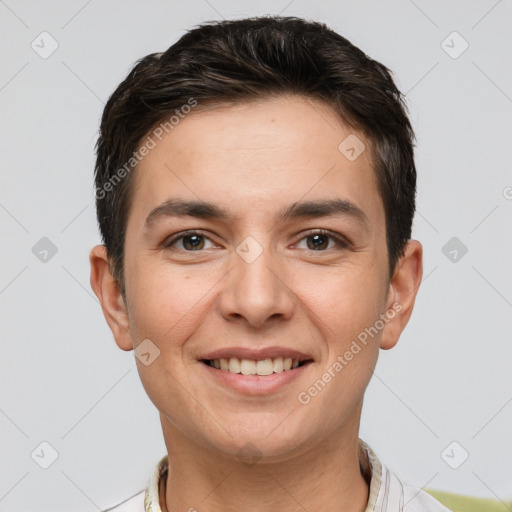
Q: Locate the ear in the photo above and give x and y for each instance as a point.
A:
(112, 303)
(402, 291)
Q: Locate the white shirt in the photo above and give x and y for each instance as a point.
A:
(387, 492)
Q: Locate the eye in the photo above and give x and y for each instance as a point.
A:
(320, 241)
(191, 241)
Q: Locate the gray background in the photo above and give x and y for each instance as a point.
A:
(63, 379)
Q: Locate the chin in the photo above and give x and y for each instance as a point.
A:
(262, 443)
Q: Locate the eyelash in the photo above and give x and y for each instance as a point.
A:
(340, 242)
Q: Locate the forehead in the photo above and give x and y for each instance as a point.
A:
(255, 157)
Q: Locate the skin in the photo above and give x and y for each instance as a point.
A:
(252, 159)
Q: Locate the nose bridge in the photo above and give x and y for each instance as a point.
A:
(254, 263)
(256, 291)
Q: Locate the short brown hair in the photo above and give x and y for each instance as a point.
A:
(240, 60)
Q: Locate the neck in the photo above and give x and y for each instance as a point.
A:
(328, 477)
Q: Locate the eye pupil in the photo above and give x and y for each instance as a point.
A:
(317, 237)
(194, 244)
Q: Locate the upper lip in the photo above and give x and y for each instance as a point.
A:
(256, 354)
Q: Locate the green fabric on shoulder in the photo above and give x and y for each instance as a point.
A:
(460, 503)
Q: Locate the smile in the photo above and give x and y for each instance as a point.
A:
(261, 367)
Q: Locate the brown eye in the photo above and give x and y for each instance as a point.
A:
(190, 241)
(319, 241)
(193, 242)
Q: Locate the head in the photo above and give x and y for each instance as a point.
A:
(253, 117)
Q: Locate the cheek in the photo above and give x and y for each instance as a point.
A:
(342, 301)
(166, 308)
(344, 307)
(166, 301)
(344, 314)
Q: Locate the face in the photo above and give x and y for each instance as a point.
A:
(288, 260)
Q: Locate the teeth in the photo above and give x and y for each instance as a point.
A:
(251, 367)
(234, 365)
(266, 367)
(278, 364)
(247, 367)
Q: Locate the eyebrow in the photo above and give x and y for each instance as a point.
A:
(298, 210)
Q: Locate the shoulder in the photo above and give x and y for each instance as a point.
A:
(418, 500)
(147, 499)
(395, 495)
(389, 494)
(133, 504)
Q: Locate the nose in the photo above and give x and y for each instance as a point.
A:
(256, 290)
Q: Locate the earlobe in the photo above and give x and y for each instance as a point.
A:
(403, 288)
(107, 290)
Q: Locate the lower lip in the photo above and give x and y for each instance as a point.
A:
(256, 384)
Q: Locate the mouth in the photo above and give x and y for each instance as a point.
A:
(250, 371)
(260, 367)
